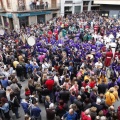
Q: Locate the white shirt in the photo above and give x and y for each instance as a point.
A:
(38, 3)
(45, 66)
(56, 80)
(98, 65)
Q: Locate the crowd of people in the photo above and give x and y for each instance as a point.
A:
(73, 69)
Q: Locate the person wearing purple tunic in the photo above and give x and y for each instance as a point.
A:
(98, 55)
(112, 83)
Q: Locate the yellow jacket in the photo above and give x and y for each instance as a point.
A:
(115, 93)
(102, 78)
(87, 77)
(109, 98)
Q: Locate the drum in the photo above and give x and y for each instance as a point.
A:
(31, 41)
(2, 32)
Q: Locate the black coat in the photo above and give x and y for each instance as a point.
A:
(102, 88)
(64, 95)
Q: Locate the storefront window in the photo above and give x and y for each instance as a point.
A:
(21, 4)
(23, 21)
(5, 22)
(41, 18)
(77, 9)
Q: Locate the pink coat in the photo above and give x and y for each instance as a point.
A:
(41, 58)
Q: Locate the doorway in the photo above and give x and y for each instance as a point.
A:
(41, 19)
(23, 21)
(11, 23)
(53, 3)
(54, 15)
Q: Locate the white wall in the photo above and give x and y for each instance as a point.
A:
(75, 3)
(112, 2)
(48, 17)
(32, 20)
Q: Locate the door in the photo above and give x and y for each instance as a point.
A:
(53, 4)
(41, 18)
(54, 15)
(23, 21)
(11, 23)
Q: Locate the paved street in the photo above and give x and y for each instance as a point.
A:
(21, 112)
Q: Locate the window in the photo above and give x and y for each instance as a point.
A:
(41, 18)
(77, 9)
(23, 21)
(21, 4)
(85, 2)
(8, 3)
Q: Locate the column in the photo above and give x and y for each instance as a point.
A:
(16, 23)
(2, 21)
(62, 10)
(89, 5)
(73, 9)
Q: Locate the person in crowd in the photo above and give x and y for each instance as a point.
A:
(25, 105)
(70, 115)
(4, 106)
(35, 111)
(14, 104)
(109, 97)
(102, 87)
(47, 102)
(50, 112)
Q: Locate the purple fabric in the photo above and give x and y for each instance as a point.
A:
(111, 84)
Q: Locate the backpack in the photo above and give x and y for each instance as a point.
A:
(118, 113)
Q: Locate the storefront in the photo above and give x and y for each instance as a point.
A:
(4, 19)
(25, 18)
(112, 10)
(41, 19)
(23, 21)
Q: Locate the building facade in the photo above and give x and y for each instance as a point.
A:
(109, 8)
(17, 13)
(77, 6)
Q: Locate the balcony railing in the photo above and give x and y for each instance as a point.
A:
(37, 8)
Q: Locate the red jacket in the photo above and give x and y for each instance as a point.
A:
(49, 84)
(27, 93)
(85, 117)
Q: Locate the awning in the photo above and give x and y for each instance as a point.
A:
(9, 15)
(33, 13)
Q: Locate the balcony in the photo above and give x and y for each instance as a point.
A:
(34, 8)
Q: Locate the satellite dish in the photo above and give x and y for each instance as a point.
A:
(2, 32)
(31, 40)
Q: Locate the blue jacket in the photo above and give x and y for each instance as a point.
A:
(4, 83)
(25, 107)
(70, 117)
(29, 66)
(35, 111)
